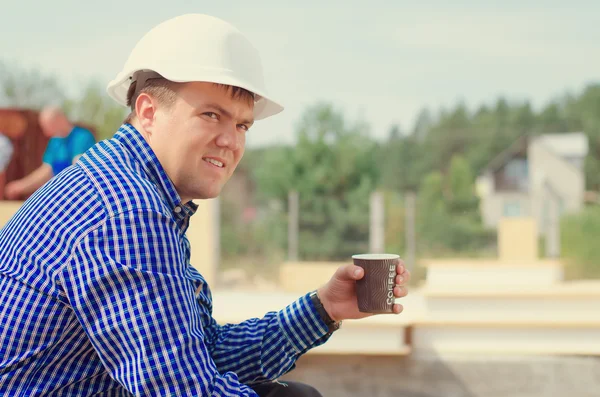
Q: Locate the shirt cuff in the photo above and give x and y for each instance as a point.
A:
(302, 325)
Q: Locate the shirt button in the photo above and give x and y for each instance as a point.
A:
(177, 210)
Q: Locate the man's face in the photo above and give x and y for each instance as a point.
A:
(200, 139)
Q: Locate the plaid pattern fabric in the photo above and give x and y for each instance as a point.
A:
(97, 295)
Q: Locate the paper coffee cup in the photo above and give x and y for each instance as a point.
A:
(375, 291)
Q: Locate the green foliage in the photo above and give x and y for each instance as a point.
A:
(32, 89)
(256, 243)
(274, 172)
(335, 167)
(432, 214)
(239, 238)
(448, 213)
(395, 220)
(579, 246)
(461, 187)
(400, 161)
(482, 134)
(334, 170)
(96, 108)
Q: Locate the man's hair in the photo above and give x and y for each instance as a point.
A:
(165, 92)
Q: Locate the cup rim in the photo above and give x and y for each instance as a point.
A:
(375, 257)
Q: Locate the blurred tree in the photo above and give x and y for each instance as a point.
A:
(551, 119)
(579, 248)
(334, 169)
(423, 124)
(30, 89)
(448, 213)
(274, 172)
(466, 231)
(523, 119)
(395, 222)
(95, 107)
(449, 136)
(432, 215)
(586, 109)
(400, 161)
(440, 158)
(462, 198)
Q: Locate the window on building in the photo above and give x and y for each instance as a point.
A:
(514, 176)
(512, 209)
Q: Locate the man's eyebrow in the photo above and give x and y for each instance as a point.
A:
(221, 110)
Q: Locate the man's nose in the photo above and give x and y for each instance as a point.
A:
(229, 137)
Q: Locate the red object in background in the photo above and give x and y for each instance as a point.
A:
(29, 143)
(249, 214)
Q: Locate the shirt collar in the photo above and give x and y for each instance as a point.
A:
(135, 143)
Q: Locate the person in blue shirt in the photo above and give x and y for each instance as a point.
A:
(67, 142)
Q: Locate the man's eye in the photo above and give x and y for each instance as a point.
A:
(244, 127)
(212, 115)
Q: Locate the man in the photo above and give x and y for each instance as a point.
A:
(96, 289)
(67, 142)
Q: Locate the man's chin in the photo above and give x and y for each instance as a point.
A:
(207, 194)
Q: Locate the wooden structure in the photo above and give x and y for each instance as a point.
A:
(22, 128)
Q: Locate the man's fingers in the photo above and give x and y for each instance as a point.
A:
(400, 292)
(357, 272)
(403, 271)
(400, 268)
(349, 272)
(397, 308)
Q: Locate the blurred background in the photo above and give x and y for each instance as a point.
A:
(464, 137)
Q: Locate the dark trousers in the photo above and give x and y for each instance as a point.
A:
(286, 389)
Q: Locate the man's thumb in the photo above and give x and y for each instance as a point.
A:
(350, 272)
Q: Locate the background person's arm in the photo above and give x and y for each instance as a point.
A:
(29, 184)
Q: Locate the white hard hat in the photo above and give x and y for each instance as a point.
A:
(197, 47)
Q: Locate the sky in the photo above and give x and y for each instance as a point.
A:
(379, 61)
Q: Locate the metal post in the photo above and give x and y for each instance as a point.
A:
(410, 234)
(377, 224)
(293, 220)
(553, 230)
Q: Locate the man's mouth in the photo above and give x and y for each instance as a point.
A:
(213, 161)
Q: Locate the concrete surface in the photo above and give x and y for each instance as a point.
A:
(453, 376)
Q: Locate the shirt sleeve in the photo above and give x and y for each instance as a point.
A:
(49, 153)
(126, 284)
(272, 344)
(81, 142)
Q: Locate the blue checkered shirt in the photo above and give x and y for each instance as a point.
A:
(97, 295)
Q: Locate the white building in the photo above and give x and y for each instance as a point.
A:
(532, 175)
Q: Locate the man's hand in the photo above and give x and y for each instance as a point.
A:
(339, 294)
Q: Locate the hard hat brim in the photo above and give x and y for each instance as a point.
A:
(264, 105)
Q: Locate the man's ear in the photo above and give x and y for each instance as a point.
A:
(145, 110)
